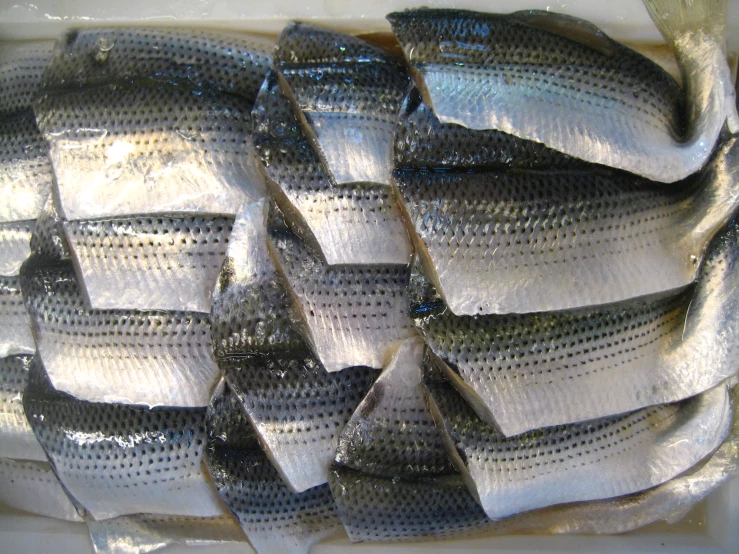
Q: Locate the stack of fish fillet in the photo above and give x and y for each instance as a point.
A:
(482, 282)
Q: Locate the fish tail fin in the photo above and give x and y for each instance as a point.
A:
(677, 18)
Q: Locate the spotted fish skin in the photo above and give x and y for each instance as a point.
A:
(22, 65)
(272, 516)
(116, 459)
(15, 245)
(15, 326)
(16, 436)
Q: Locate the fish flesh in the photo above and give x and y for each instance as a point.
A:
(26, 176)
(391, 433)
(149, 262)
(117, 460)
(22, 65)
(601, 458)
(347, 93)
(31, 486)
(531, 240)
(16, 436)
(521, 372)
(149, 358)
(297, 408)
(528, 72)
(15, 325)
(352, 223)
(15, 246)
(355, 315)
(274, 518)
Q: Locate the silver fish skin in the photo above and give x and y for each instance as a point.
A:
(273, 517)
(521, 372)
(48, 240)
(26, 176)
(353, 223)
(16, 436)
(601, 458)
(130, 150)
(527, 72)
(22, 65)
(117, 460)
(15, 246)
(31, 486)
(122, 356)
(353, 315)
(348, 93)
(392, 434)
(149, 262)
(496, 240)
(15, 325)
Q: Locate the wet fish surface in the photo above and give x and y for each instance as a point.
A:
(16, 436)
(15, 325)
(22, 65)
(15, 246)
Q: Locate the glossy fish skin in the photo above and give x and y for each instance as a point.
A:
(149, 262)
(22, 65)
(149, 358)
(152, 459)
(354, 315)
(129, 150)
(48, 240)
(274, 518)
(597, 459)
(527, 72)
(26, 176)
(494, 240)
(16, 436)
(357, 223)
(15, 246)
(349, 93)
(15, 326)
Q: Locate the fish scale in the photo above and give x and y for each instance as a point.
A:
(15, 245)
(16, 436)
(15, 326)
(21, 71)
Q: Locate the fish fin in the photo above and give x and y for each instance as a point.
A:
(569, 27)
(678, 18)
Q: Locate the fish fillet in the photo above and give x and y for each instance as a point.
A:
(16, 436)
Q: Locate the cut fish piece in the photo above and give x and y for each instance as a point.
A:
(598, 459)
(349, 93)
(529, 241)
(141, 533)
(120, 150)
(521, 372)
(15, 325)
(149, 262)
(16, 436)
(357, 223)
(32, 487)
(274, 518)
(391, 433)
(117, 460)
(15, 246)
(48, 240)
(355, 315)
(22, 65)
(531, 74)
(26, 176)
(149, 358)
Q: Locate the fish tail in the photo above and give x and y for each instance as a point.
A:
(677, 18)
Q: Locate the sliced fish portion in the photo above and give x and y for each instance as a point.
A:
(124, 150)
(15, 325)
(349, 93)
(117, 460)
(22, 66)
(528, 72)
(149, 262)
(32, 487)
(355, 315)
(353, 223)
(48, 240)
(392, 434)
(15, 245)
(598, 459)
(16, 436)
(130, 357)
(273, 517)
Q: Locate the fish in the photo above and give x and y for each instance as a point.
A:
(392, 434)
(274, 518)
(15, 246)
(497, 240)
(525, 371)
(149, 262)
(22, 66)
(48, 241)
(354, 315)
(118, 460)
(26, 177)
(15, 325)
(31, 486)
(149, 358)
(296, 407)
(16, 436)
(352, 223)
(593, 460)
(527, 72)
(347, 93)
